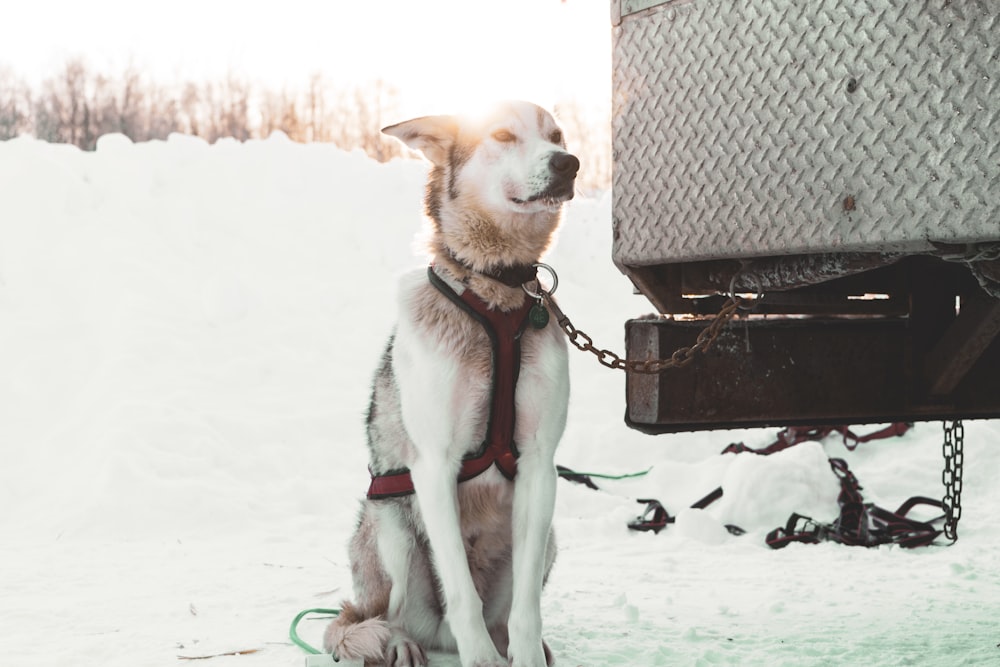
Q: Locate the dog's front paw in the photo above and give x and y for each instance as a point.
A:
(486, 661)
(549, 659)
(532, 658)
(404, 652)
(499, 662)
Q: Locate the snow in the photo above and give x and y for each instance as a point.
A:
(187, 333)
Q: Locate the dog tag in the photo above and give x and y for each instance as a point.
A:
(538, 315)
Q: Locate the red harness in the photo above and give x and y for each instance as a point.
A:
(504, 330)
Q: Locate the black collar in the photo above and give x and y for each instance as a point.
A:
(512, 276)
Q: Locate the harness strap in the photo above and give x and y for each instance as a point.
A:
(860, 523)
(499, 449)
(793, 435)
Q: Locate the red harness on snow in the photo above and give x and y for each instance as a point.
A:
(859, 523)
(504, 330)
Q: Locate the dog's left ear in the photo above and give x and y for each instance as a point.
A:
(431, 135)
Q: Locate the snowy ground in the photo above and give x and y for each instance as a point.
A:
(186, 337)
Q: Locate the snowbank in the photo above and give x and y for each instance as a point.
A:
(186, 337)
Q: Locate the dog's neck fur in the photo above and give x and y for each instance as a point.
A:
(480, 253)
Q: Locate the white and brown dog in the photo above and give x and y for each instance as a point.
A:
(455, 539)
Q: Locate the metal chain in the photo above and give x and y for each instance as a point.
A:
(954, 459)
(954, 432)
(681, 357)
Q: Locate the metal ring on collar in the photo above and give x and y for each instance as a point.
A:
(550, 292)
(756, 284)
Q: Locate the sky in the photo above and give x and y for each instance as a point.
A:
(438, 53)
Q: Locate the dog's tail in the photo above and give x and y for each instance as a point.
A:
(353, 636)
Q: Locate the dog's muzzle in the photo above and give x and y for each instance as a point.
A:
(563, 168)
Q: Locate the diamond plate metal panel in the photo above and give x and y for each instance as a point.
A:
(771, 127)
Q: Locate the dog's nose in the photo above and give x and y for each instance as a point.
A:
(564, 164)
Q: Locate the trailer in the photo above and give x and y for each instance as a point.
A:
(833, 166)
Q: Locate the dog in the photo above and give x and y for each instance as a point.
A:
(455, 542)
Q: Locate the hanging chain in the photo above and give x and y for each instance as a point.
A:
(681, 357)
(954, 459)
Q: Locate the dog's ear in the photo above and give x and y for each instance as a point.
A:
(431, 135)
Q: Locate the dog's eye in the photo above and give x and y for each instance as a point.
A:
(504, 136)
(557, 137)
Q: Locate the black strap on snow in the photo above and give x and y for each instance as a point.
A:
(577, 477)
(859, 523)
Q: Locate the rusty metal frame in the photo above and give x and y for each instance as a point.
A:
(928, 350)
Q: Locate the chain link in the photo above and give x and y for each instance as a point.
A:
(954, 460)
(680, 357)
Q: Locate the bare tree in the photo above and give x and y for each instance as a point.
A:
(15, 112)
(60, 109)
(126, 106)
(215, 111)
(162, 116)
(234, 109)
(191, 118)
(373, 106)
(279, 111)
(316, 109)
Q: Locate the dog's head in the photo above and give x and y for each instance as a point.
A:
(497, 185)
(511, 160)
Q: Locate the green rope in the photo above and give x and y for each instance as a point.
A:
(293, 632)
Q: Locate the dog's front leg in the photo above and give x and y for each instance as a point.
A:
(437, 495)
(542, 400)
(434, 404)
(534, 503)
